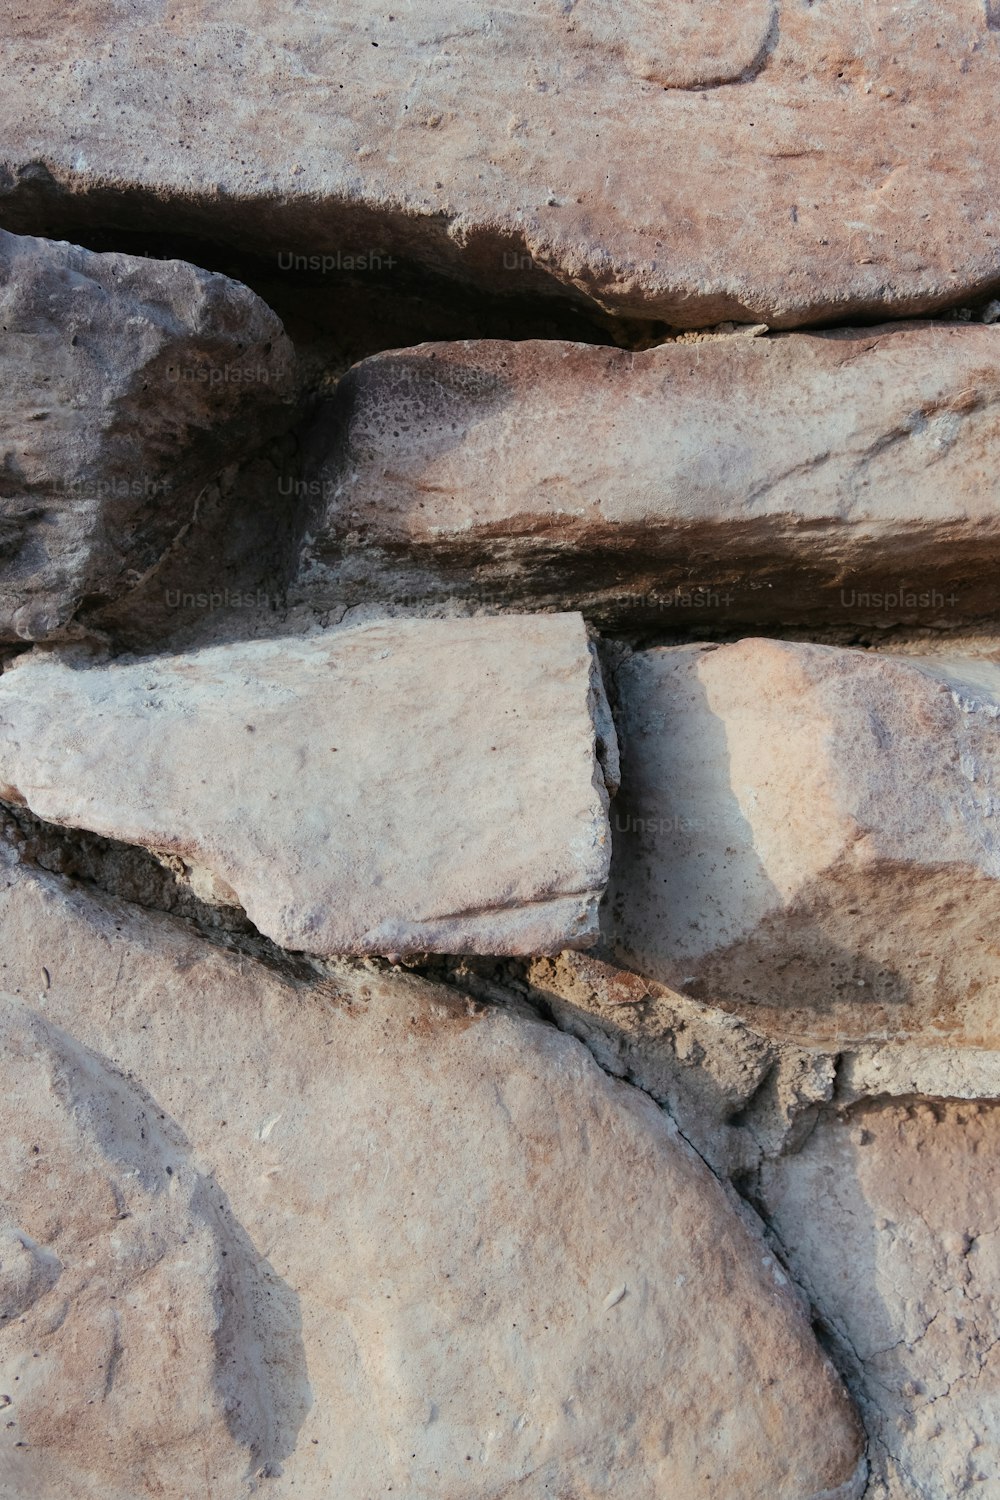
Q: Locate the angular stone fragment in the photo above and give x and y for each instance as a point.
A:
(399, 787)
(812, 833)
(848, 475)
(510, 1273)
(889, 1220)
(124, 384)
(663, 159)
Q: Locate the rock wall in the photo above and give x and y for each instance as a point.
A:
(499, 753)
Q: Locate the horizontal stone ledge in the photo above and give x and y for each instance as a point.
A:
(844, 476)
(688, 163)
(125, 384)
(807, 836)
(399, 787)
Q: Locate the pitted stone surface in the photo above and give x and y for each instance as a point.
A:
(889, 1219)
(845, 476)
(511, 1274)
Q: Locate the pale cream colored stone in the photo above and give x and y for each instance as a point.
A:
(888, 1217)
(409, 786)
(809, 836)
(145, 1345)
(512, 1276)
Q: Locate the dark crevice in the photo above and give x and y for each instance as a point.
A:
(417, 285)
(128, 873)
(338, 314)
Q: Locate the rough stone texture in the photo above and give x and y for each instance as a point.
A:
(848, 476)
(508, 1273)
(740, 1093)
(669, 160)
(409, 786)
(889, 1218)
(125, 384)
(808, 836)
(108, 1232)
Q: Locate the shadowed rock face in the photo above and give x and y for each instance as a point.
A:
(844, 476)
(662, 159)
(513, 1275)
(810, 830)
(124, 384)
(410, 786)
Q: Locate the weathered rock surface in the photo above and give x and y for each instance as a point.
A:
(848, 475)
(684, 162)
(889, 1219)
(509, 1273)
(740, 1093)
(125, 383)
(809, 835)
(404, 786)
(107, 1235)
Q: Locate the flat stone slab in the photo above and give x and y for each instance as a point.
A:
(783, 164)
(846, 476)
(125, 384)
(463, 1262)
(809, 835)
(399, 787)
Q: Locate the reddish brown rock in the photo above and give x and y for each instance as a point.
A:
(809, 835)
(848, 476)
(661, 159)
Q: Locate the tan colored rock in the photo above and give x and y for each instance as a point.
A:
(664, 160)
(808, 836)
(107, 1233)
(405, 786)
(510, 1273)
(749, 1083)
(848, 475)
(124, 384)
(888, 1218)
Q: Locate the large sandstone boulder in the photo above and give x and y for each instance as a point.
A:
(847, 475)
(670, 160)
(889, 1219)
(405, 786)
(124, 384)
(810, 833)
(508, 1272)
